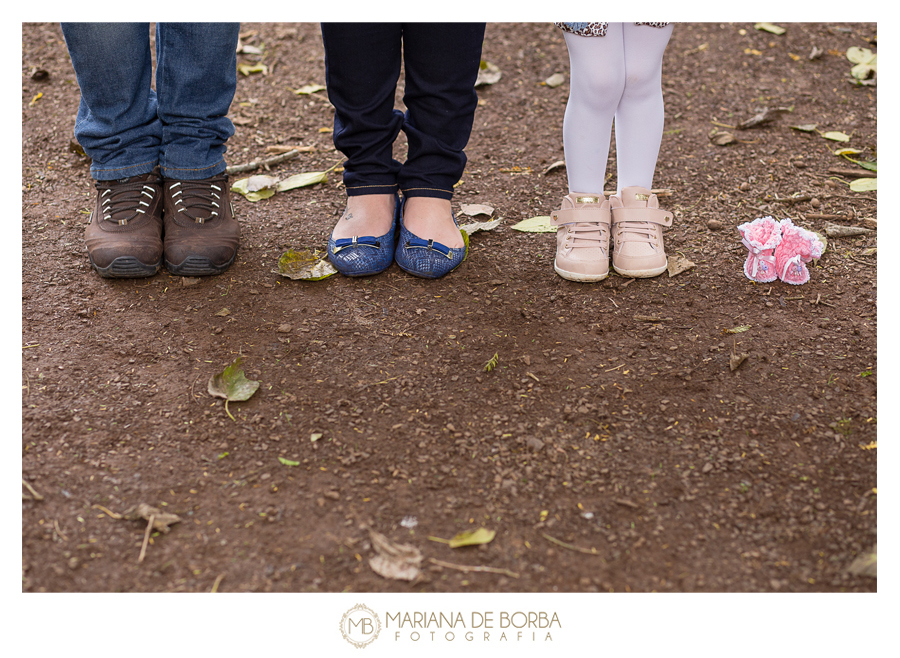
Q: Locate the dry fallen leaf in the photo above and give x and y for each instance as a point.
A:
(763, 117)
(161, 520)
(556, 165)
(720, 138)
(736, 360)
(474, 227)
(678, 264)
(473, 209)
(555, 80)
(306, 265)
(838, 231)
(488, 74)
(395, 561)
(866, 565)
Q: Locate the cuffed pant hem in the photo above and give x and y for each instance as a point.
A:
(362, 190)
(433, 192)
(116, 173)
(185, 173)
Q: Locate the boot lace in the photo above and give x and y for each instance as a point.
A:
(123, 202)
(198, 200)
(574, 241)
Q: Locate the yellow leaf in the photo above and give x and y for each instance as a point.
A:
(247, 69)
(308, 89)
(864, 185)
(769, 27)
(535, 225)
(836, 135)
(472, 538)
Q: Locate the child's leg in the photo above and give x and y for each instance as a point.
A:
(639, 116)
(597, 78)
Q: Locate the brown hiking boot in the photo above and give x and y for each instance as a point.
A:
(201, 233)
(124, 238)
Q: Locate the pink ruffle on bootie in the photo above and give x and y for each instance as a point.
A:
(798, 246)
(761, 237)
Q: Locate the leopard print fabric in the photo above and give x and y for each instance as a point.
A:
(594, 29)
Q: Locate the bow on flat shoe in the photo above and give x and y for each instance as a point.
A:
(426, 258)
(366, 255)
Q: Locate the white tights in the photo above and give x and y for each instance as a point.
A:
(617, 76)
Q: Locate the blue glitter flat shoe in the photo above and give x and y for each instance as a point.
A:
(367, 255)
(427, 258)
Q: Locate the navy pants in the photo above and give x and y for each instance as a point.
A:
(362, 67)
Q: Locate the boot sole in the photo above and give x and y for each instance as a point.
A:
(126, 267)
(581, 278)
(197, 266)
(641, 274)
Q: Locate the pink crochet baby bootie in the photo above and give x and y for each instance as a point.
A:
(761, 237)
(798, 246)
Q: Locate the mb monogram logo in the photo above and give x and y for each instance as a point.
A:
(360, 626)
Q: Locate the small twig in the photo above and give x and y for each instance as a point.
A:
(397, 335)
(815, 215)
(146, 538)
(268, 162)
(616, 368)
(614, 303)
(571, 547)
(365, 386)
(228, 412)
(31, 490)
(103, 509)
(854, 173)
(58, 530)
(863, 262)
(792, 199)
(857, 197)
(215, 587)
(463, 567)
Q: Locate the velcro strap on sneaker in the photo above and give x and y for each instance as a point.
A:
(592, 214)
(654, 215)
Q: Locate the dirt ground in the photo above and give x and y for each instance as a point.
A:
(611, 449)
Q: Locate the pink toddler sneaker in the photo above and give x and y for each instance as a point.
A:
(761, 237)
(798, 246)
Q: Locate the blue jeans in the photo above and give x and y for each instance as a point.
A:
(362, 67)
(125, 126)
